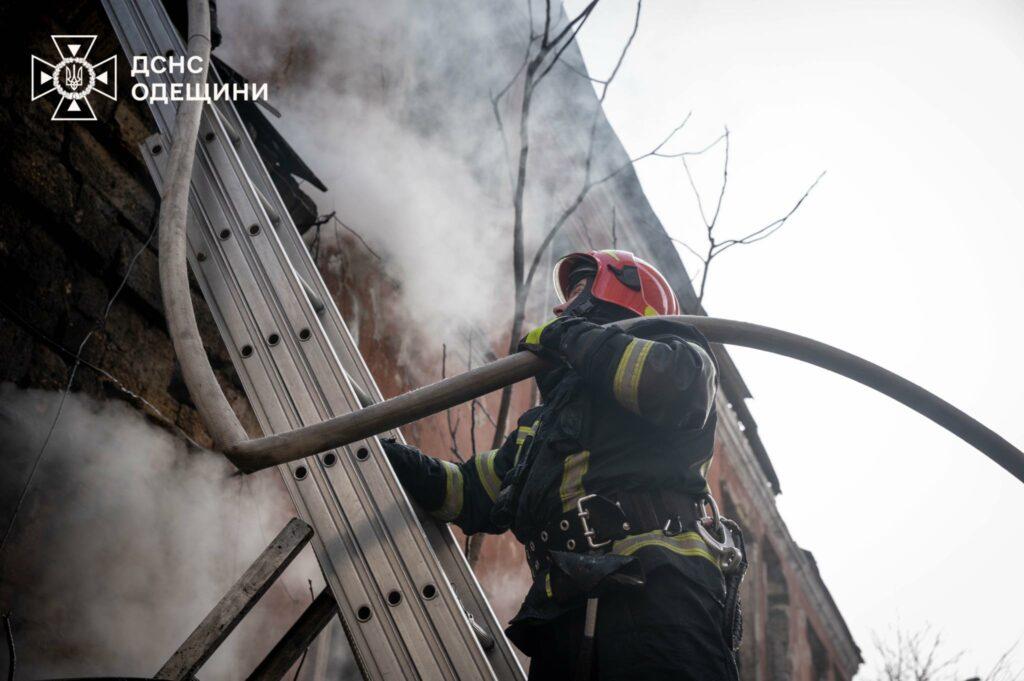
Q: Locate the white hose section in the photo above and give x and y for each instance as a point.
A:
(220, 419)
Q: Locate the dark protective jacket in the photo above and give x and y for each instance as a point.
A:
(625, 412)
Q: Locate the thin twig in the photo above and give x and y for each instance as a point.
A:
(687, 247)
(472, 403)
(622, 53)
(605, 82)
(715, 247)
(357, 235)
(453, 427)
(694, 152)
(615, 238)
(579, 20)
(302, 660)
(582, 20)
(774, 225)
(483, 409)
(668, 138)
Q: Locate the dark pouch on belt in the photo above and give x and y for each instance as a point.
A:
(733, 624)
(575, 575)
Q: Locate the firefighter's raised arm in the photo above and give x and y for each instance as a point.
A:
(661, 370)
(669, 379)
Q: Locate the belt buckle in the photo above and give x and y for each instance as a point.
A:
(588, 532)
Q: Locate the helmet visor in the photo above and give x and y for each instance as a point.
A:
(569, 271)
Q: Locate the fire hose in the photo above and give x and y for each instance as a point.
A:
(260, 453)
(220, 419)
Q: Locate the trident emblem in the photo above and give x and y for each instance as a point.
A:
(74, 76)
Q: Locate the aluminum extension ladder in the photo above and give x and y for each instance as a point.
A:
(405, 593)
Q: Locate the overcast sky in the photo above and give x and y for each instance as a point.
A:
(908, 253)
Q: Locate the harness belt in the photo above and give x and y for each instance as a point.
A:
(598, 520)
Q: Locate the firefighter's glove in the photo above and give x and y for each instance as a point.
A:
(546, 339)
(396, 450)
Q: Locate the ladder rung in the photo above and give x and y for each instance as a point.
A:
(239, 599)
(297, 639)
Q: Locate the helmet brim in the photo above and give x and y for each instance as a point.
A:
(564, 267)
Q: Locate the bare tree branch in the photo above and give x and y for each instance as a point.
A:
(483, 410)
(573, 25)
(472, 404)
(334, 217)
(697, 152)
(774, 225)
(923, 656)
(687, 247)
(534, 73)
(622, 54)
(1001, 669)
(547, 23)
(453, 427)
(714, 246)
(615, 236)
(668, 138)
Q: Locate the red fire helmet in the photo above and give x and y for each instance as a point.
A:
(622, 279)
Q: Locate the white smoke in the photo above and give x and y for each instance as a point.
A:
(391, 105)
(127, 539)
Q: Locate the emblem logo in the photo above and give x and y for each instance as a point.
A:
(74, 78)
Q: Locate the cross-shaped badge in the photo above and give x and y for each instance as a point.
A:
(74, 78)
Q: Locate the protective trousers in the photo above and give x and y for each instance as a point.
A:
(671, 628)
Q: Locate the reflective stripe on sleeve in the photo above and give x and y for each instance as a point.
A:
(708, 379)
(574, 467)
(522, 433)
(684, 544)
(452, 506)
(488, 476)
(626, 385)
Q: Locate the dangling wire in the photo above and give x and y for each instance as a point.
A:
(12, 657)
(100, 324)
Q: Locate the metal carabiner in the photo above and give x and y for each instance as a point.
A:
(724, 549)
(584, 514)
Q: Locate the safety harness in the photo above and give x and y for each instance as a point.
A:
(626, 521)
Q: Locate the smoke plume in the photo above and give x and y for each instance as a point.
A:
(127, 539)
(392, 106)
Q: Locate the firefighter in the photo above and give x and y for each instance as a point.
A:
(604, 482)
